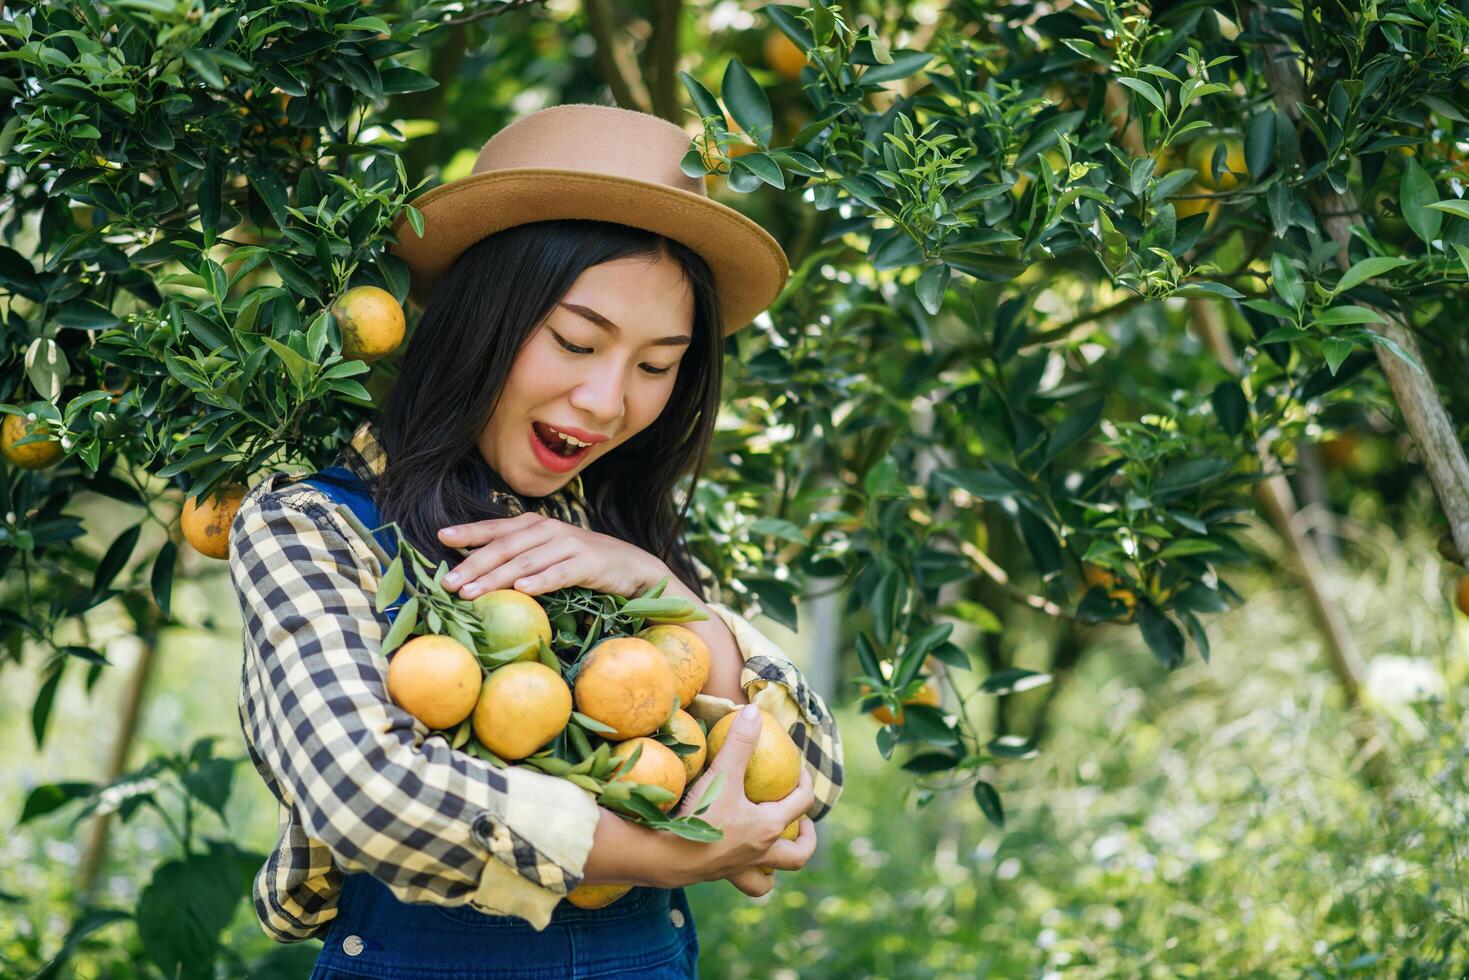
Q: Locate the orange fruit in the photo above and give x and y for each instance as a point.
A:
(206, 525)
(34, 455)
(521, 707)
(1231, 173)
(792, 831)
(512, 619)
(627, 683)
(658, 765)
(928, 695)
(782, 56)
(775, 763)
(1461, 598)
(435, 679)
(687, 655)
(371, 322)
(687, 730)
(596, 896)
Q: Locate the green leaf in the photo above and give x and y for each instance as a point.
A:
(984, 484)
(1260, 143)
(1416, 194)
(1146, 90)
(1188, 546)
(762, 166)
(1077, 423)
(390, 587)
(161, 580)
(83, 314)
(1041, 542)
(989, 803)
(204, 65)
(703, 100)
(298, 367)
(185, 908)
(403, 624)
(905, 62)
(1013, 680)
(1161, 634)
(1336, 350)
(1458, 208)
(1338, 316)
(116, 557)
(747, 103)
(45, 698)
(49, 797)
(1369, 268)
(931, 287)
(1230, 406)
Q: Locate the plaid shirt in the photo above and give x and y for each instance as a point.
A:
(364, 786)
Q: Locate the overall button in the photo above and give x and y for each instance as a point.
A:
(353, 945)
(676, 917)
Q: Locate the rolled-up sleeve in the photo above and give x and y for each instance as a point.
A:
(363, 776)
(770, 680)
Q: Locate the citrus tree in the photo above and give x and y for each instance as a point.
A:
(1070, 281)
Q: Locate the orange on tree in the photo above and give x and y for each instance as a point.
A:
(35, 455)
(371, 322)
(436, 679)
(775, 762)
(1231, 172)
(927, 695)
(657, 765)
(792, 831)
(206, 524)
(1461, 596)
(596, 896)
(626, 683)
(1099, 577)
(782, 55)
(521, 707)
(687, 655)
(512, 619)
(687, 730)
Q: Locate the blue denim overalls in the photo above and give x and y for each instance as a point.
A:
(647, 933)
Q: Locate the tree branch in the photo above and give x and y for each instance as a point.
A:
(614, 62)
(1412, 386)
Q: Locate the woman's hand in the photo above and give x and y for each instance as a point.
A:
(535, 554)
(751, 830)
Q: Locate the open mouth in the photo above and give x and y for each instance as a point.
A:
(558, 450)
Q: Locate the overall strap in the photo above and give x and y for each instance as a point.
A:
(345, 487)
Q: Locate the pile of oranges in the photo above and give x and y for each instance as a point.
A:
(614, 721)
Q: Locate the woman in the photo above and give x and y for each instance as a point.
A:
(578, 284)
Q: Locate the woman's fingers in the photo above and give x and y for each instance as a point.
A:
(792, 855)
(795, 804)
(477, 533)
(533, 562)
(487, 558)
(753, 882)
(562, 575)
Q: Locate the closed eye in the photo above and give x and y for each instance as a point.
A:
(574, 349)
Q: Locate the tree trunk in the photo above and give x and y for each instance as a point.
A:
(1423, 411)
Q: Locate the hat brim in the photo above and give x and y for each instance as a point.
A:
(748, 265)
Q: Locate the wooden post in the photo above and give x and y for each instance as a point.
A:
(127, 729)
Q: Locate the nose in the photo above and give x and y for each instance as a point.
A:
(600, 395)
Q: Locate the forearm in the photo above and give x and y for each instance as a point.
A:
(624, 853)
(724, 653)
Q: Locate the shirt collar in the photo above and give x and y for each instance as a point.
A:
(566, 504)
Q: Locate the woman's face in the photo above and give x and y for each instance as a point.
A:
(600, 368)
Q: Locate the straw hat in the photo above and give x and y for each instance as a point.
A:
(599, 163)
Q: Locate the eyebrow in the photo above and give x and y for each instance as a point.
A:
(587, 313)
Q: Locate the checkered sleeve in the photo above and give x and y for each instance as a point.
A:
(362, 775)
(773, 682)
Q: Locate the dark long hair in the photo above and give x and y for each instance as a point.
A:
(481, 314)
